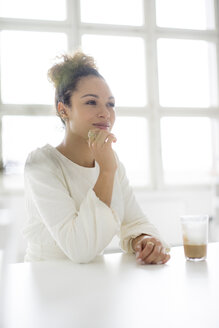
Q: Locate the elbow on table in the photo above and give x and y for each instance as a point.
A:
(82, 258)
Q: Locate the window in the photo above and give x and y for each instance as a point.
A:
(161, 60)
(24, 68)
(34, 9)
(118, 12)
(186, 144)
(125, 58)
(132, 148)
(185, 14)
(23, 134)
(184, 72)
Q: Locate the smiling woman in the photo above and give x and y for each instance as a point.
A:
(78, 196)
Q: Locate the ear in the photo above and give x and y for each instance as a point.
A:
(62, 110)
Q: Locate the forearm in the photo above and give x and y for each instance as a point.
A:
(104, 187)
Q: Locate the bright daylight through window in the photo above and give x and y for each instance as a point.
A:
(160, 59)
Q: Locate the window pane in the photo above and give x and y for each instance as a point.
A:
(22, 134)
(121, 12)
(132, 148)
(186, 149)
(188, 14)
(215, 137)
(25, 60)
(186, 71)
(34, 9)
(121, 61)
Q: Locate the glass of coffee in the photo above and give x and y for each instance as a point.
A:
(195, 236)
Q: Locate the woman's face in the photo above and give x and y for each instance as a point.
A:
(92, 107)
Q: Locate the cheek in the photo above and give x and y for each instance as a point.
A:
(83, 116)
(113, 118)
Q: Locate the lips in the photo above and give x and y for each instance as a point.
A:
(102, 125)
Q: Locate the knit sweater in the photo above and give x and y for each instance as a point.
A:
(65, 218)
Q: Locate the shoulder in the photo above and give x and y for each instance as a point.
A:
(43, 157)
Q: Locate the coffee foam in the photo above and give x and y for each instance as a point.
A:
(194, 234)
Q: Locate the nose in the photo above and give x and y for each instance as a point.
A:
(103, 112)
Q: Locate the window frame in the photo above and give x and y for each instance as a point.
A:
(153, 112)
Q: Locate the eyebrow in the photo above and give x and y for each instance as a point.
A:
(95, 96)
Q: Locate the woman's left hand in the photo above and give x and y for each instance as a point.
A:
(149, 250)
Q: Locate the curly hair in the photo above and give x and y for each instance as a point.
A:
(66, 74)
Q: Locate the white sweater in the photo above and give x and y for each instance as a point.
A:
(65, 217)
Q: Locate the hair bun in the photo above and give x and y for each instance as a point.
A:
(70, 66)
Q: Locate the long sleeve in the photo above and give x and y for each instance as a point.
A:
(82, 231)
(135, 221)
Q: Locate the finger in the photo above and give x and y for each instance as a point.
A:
(97, 139)
(149, 247)
(91, 141)
(157, 256)
(161, 257)
(166, 259)
(163, 254)
(100, 135)
(110, 138)
(154, 255)
(92, 135)
(138, 248)
(147, 250)
(104, 137)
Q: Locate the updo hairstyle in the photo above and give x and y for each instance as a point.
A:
(66, 74)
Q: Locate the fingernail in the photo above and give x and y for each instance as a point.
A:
(160, 262)
(139, 261)
(163, 251)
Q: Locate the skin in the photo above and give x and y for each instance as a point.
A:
(149, 250)
(93, 109)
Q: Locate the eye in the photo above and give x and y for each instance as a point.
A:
(91, 102)
(111, 104)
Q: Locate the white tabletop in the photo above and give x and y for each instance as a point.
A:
(115, 292)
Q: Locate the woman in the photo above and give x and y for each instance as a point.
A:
(78, 196)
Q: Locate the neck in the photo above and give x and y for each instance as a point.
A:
(77, 150)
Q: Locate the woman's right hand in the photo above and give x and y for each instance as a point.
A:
(100, 143)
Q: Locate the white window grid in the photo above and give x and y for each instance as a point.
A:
(150, 32)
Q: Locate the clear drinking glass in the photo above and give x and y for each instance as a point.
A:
(195, 236)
